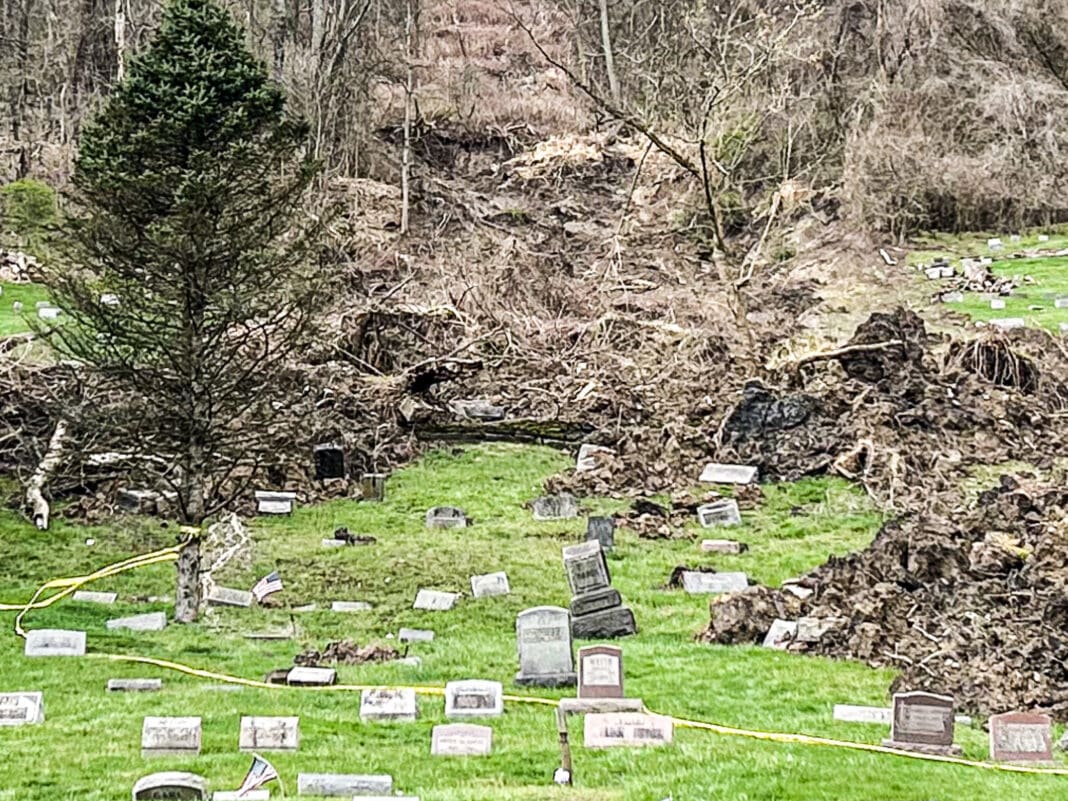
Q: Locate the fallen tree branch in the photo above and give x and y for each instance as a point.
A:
(35, 498)
(846, 351)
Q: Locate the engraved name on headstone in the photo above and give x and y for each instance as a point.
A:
(600, 672)
(311, 677)
(1021, 737)
(269, 734)
(923, 722)
(55, 642)
(388, 705)
(172, 785)
(461, 739)
(275, 503)
(474, 698)
(719, 513)
(21, 709)
(625, 729)
(587, 570)
(446, 517)
(333, 785)
(543, 637)
(164, 736)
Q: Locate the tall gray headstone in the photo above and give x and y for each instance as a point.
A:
(546, 658)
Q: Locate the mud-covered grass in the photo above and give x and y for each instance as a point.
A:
(12, 322)
(88, 748)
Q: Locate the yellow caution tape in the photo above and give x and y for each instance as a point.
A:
(70, 585)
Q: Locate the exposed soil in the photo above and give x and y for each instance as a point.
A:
(346, 652)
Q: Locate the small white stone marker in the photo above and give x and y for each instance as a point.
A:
(48, 313)
(588, 457)
(1043, 237)
(350, 606)
(311, 677)
(474, 699)
(728, 474)
(21, 709)
(55, 642)
(781, 634)
(275, 503)
(719, 513)
(435, 600)
(888, 260)
(170, 736)
(248, 795)
(461, 739)
(997, 304)
(995, 244)
(947, 271)
(848, 713)
(388, 705)
(1009, 323)
(269, 734)
(722, 546)
(415, 635)
(489, 585)
(699, 583)
(135, 685)
(87, 597)
(627, 730)
(153, 621)
(227, 596)
(1060, 303)
(343, 784)
(953, 297)
(933, 273)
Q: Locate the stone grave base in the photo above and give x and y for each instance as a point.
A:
(919, 748)
(591, 602)
(547, 680)
(609, 624)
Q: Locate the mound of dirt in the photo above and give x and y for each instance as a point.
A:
(346, 652)
(970, 601)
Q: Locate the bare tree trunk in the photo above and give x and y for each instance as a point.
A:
(187, 599)
(35, 498)
(609, 58)
(120, 40)
(409, 91)
(279, 39)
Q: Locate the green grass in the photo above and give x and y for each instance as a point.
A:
(12, 322)
(88, 748)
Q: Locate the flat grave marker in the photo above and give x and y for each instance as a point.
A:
(87, 597)
(723, 546)
(719, 513)
(332, 785)
(555, 507)
(1021, 737)
(627, 730)
(543, 639)
(600, 673)
(490, 584)
(134, 685)
(152, 621)
(248, 795)
(997, 304)
(350, 606)
(21, 709)
(228, 596)
(715, 473)
(461, 740)
(446, 517)
(269, 734)
(1008, 323)
(388, 705)
(415, 635)
(170, 736)
(171, 785)
(589, 457)
(311, 677)
(781, 634)
(699, 583)
(55, 642)
(275, 503)
(474, 698)
(435, 600)
(848, 713)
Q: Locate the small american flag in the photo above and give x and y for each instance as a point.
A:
(267, 585)
(259, 774)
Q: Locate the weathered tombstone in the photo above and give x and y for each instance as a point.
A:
(171, 785)
(490, 584)
(847, 713)
(332, 543)
(135, 685)
(719, 513)
(170, 736)
(995, 244)
(953, 297)
(922, 722)
(435, 600)
(55, 642)
(275, 503)
(728, 474)
(1015, 238)
(236, 795)
(476, 410)
(933, 273)
(623, 729)
(86, 597)
(350, 606)
(723, 546)
(388, 705)
(474, 699)
(600, 672)
(311, 677)
(152, 621)
(798, 590)
(332, 785)
(543, 637)
(589, 457)
(1060, 303)
(997, 304)
(228, 596)
(555, 507)
(269, 734)
(781, 634)
(696, 582)
(602, 530)
(329, 462)
(373, 486)
(461, 739)
(587, 570)
(446, 517)
(1021, 737)
(21, 709)
(888, 260)
(415, 635)
(1009, 323)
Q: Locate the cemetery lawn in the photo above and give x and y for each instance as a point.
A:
(88, 747)
(12, 322)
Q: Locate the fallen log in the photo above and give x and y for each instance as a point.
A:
(35, 498)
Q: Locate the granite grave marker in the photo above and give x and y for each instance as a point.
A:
(170, 736)
(55, 642)
(171, 785)
(600, 673)
(543, 638)
(474, 698)
(627, 729)
(922, 722)
(21, 709)
(461, 739)
(489, 585)
(269, 734)
(1021, 737)
(385, 704)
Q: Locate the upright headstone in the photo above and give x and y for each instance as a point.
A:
(435, 600)
(600, 673)
(385, 704)
(543, 636)
(719, 513)
(596, 608)
(728, 474)
(490, 584)
(311, 677)
(152, 621)
(556, 507)
(269, 734)
(333, 785)
(1021, 737)
(627, 729)
(602, 530)
(170, 736)
(587, 570)
(21, 709)
(330, 462)
(446, 517)
(171, 785)
(461, 739)
(373, 486)
(55, 642)
(923, 722)
(275, 503)
(474, 699)
(228, 596)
